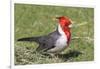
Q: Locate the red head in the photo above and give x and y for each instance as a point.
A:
(64, 21)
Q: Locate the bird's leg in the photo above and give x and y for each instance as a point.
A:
(51, 55)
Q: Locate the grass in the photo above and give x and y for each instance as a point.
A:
(35, 20)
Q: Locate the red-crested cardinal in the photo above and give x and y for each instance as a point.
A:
(56, 41)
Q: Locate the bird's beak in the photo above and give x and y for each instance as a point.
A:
(72, 22)
(71, 25)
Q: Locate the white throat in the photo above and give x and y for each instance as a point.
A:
(60, 30)
(61, 43)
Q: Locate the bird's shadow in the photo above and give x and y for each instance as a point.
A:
(67, 56)
(71, 54)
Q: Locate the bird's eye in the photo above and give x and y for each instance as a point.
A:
(70, 26)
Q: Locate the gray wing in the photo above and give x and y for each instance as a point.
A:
(48, 42)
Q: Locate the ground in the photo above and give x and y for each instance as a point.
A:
(35, 20)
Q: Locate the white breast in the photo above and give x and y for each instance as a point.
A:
(61, 43)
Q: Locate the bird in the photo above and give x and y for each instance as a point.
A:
(56, 41)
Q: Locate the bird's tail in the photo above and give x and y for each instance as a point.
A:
(36, 39)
